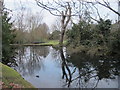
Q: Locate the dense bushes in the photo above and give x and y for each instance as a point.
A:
(80, 33)
(94, 35)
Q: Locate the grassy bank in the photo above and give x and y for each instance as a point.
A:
(48, 43)
(10, 78)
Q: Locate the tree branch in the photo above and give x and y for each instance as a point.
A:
(46, 7)
(105, 5)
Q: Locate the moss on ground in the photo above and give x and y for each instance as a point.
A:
(9, 75)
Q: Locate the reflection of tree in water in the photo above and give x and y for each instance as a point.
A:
(89, 68)
(41, 50)
(30, 59)
(65, 68)
(56, 55)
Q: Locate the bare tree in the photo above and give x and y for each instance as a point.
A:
(63, 9)
(33, 22)
(56, 25)
(66, 10)
(19, 22)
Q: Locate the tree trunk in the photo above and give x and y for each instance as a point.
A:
(64, 22)
(62, 37)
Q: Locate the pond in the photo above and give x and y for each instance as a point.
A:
(47, 67)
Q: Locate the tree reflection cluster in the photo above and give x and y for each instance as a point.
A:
(89, 68)
(78, 69)
(30, 59)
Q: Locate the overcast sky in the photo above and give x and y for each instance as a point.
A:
(29, 5)
(50, 19)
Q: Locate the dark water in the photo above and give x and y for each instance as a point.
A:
(46, 67)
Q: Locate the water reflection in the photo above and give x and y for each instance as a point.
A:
(65, 69)
(57, 68)
(30, 59)
(94, 68)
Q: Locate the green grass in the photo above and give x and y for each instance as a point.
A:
(9, 75)
(47, 43)
(51, 42)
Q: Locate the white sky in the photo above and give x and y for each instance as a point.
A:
(50, 19)
(30, 5)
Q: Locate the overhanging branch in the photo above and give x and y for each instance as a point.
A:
(105, 4)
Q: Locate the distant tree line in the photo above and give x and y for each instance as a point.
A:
(38, 34)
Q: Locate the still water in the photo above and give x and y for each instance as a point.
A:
(46, 67)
